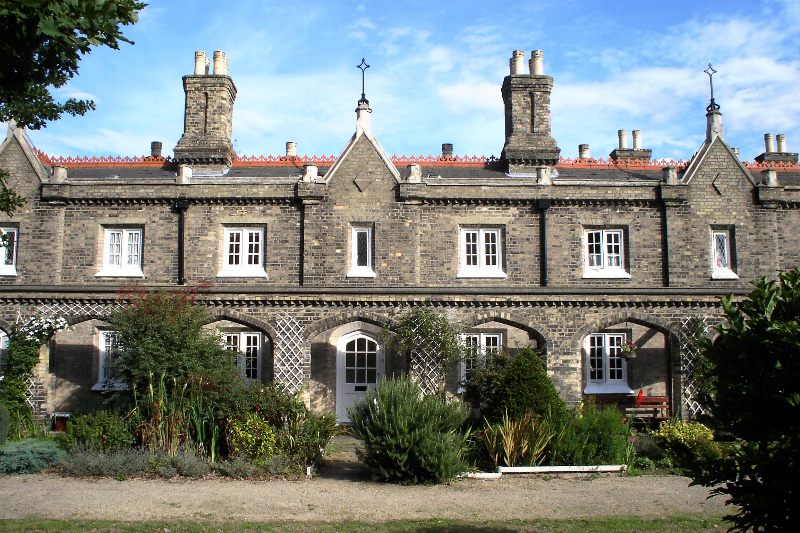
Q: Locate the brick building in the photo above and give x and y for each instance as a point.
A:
(304, 261)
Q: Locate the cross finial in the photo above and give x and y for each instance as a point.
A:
(712, 106)
(363, 66)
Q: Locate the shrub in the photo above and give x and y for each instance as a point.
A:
(118, 464)
(409, 438)
(102, 430)
(523, 441)
(305, 435)
(238, 468)
(161, 333)
(5, 423)
(749, 380)
(592, 435)
(30, 456)
(690, 445)
(251, 437)
(512, 384)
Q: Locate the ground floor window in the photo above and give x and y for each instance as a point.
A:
(248, 347)
(480, 346)
(606, 367)
(108, 376)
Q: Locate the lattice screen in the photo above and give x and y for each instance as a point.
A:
(424, 367)
(77, 309)
(691, 328)
(289, 354)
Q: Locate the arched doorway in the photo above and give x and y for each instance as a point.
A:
(359, 367)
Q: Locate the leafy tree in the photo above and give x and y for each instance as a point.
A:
(41, 43)
(161, 333)
(749, 379)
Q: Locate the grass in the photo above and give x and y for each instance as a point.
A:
(601, 524)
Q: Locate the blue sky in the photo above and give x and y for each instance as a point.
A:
(436, 71)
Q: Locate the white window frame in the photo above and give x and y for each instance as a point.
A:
(480, 253)
(356, 270)
(3, 349)
(8, 253)
(239, 260)
(606, 258)
(243, 343)
(612, 376)
(722, 267)
(122, 252)
(488, 343)
(107, 378)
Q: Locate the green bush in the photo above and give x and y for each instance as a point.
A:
(592, 435)
(748, 379)
(305, 435)
(102, 430)
(690, 445)
(522, 442)
(512, 384)
(30, 456)
(408, 437)
(5, 423)
(238, 468)
(251, 437)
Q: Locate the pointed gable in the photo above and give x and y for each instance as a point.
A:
(716, 173)
(17, 143)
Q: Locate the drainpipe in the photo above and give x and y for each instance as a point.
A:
(543, 206)
(180, 206)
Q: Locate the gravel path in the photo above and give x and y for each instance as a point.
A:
(327, 499)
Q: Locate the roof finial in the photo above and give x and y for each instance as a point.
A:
(363, 66)
(712, 106)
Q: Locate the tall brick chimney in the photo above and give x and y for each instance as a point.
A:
(529, 142)
(207, 123)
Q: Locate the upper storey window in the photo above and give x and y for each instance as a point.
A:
(122, 252)
(722, 254)
(604, 254)
(243, 252)
(361, 253)
(8, 252)
(481, 253)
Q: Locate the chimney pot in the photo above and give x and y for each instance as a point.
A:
(543, 176)
(583, 151)
(447, 151)
(414, 173)
(637, 139)
(310, 173)
(536, 64)
(220, 63)
(200, 62)
(516, 62)
(59, 174)
(155, 148)
(782, 143)
(623, 139)
(184, 175)
(291, 149)
(769, 143)
(670, 175)
(736, 152)
(770, 177)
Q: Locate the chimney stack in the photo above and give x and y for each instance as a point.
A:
(529, 141)
(291, 149)
(782, 155)
(583, 151)
(447, 151)
(155, 149)
(636, 153)
(208, 116)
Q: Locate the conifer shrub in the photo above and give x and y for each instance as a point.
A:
(409, 438)
(30, 456)
(513, 385)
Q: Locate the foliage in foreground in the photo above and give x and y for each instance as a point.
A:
(408, 437)
(29, 456)
(101, 430)
(592, 435)
(513, 385)
(749, 379)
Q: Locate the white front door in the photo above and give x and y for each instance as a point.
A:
(359, 367)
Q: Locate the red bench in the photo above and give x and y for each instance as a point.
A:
(649, 408)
